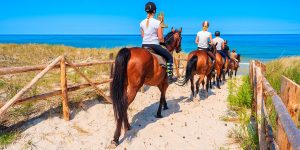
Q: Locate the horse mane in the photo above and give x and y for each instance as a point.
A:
(168, 39)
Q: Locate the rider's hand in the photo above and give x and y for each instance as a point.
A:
(162, 43)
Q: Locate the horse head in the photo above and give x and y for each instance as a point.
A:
(212, 47)
(173, 40)
(238, 57)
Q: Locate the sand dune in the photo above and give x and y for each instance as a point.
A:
(185, 125)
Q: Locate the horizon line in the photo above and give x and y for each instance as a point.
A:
(139, 34)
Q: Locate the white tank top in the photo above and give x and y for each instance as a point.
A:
(220, 41)
(150, 33)
(203, 37)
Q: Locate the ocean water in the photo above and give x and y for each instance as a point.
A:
(259, 47)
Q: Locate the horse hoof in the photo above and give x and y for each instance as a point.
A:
(113, 145)
(166, 107)
(129, 128)
(158, 116)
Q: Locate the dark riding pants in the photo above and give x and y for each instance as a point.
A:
(160, 51)
(226, 53)
(222, 54)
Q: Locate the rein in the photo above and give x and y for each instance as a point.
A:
(169, 38)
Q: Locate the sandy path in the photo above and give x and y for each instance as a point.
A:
(185, 125)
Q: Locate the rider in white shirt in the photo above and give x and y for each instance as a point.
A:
(152, 33)
(203, 38)
(220, 44)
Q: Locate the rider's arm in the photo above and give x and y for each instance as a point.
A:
(160, 34)
(223, 45)
(142, 33)
(197, 39)
(210, 39)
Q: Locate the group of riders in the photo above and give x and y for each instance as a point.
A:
(136, 66)
(152, 34)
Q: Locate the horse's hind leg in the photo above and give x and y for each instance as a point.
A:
(197, 86)
(132, 89)
(235, 72)
(203, 83)
(163, 88)
(192, 86)
(207, 84)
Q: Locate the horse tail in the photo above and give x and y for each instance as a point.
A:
(191, 66)
(118, 91)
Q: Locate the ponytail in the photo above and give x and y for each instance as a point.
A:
(147, 23)
(148, 19)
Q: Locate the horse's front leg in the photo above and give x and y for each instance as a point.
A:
(163, 88)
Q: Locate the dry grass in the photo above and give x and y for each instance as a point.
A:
(12, 55)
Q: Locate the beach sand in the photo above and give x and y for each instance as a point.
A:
(185, 125)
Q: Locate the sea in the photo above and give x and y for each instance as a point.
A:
(262, 47)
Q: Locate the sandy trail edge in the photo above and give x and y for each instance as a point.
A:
(185, 125)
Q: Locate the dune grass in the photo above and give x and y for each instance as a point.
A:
(289, 67)
(12, 55)
(240, 100)
(7, 138)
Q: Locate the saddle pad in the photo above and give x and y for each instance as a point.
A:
(160, 59)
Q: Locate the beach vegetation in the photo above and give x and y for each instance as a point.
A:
(7, 138)
(288, 66)
(15, 55)
(240, 100)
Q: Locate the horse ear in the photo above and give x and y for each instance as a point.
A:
(173, 30)
(216, 44)
(180, 30)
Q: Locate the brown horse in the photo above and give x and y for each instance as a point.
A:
(219, 64)
(234, 66)
(133, 68)
(226, 68)
(198, 62)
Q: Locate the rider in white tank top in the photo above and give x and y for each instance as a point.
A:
(150, 32)
(203, 37)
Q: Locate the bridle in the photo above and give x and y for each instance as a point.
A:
(172, 36)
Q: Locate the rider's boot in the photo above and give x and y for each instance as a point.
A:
(171, 79)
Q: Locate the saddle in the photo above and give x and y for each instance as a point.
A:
(161, 60)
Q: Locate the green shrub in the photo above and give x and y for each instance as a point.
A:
(240, 95)
(240, 100)
(7, 138)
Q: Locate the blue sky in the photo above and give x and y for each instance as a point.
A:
(123, 16)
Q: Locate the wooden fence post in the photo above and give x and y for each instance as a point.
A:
(64, 89)
(259, 110)
(111, 57)
(29, 85)
(290, 96)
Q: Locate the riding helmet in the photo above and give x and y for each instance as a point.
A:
(150, 7)
(217, 33)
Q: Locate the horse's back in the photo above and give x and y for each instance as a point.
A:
(203, 62)
(142, 63)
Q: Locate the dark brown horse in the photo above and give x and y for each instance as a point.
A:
(234, 66)
(133, 68)
(200, 64)
(226, 68)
